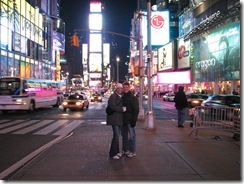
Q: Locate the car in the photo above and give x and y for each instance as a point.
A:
(195, 99)
(222, 100)
(169, 97)
(96, 97)
(221, 104)
(76, 102)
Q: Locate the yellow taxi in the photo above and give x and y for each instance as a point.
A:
(76, 102)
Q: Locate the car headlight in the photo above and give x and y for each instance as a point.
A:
(196, 101)
(65, 103)
(78, 103)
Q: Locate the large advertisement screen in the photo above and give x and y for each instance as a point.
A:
(58, 41)
(216, 56)
(95, 62)
(95, 42)
(186, 23)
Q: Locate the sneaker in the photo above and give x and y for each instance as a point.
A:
(116, 157)
(181, 126)
(130, 155)
(119, 154)
(125, 152)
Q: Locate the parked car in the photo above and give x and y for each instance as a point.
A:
(169, 97)
(96, 97)
(195, 99)
(76, 101)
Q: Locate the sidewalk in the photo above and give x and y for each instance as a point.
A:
(164, 154)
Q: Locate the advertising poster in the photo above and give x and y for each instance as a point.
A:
(183, 53)
(165, 57)
(216, 56)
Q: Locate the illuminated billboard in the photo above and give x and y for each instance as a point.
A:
(95, 64)
(165, 57)
(106, 54)
(216, 56)
(183, 53)
(95, 22)
(58, 41)
(95, 43)
(159, 28)
(95, 6)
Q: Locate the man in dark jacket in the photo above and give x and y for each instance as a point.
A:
(129, 120)
(181, 105)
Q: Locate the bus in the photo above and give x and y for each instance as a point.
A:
(28, 94)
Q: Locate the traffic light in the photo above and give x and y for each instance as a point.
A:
(74, 40)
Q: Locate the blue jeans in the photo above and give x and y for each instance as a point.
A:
(181, 116)
(114, 147)
(129, 144)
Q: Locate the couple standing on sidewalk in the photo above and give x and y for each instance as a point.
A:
(125, 108)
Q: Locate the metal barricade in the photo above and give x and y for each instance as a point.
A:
(221, 118)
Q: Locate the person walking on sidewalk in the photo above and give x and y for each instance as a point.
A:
(181, 105)
(115, 103)
(130, 117)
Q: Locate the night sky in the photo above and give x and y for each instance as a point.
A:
(117, 15)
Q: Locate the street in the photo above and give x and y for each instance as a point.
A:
(22, 133)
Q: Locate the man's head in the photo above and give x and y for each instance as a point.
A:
(181, 88)
(126, 87)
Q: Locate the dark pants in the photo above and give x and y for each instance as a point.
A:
(114, 147)
(129, 138)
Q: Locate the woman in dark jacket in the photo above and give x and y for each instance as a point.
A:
(116, 120)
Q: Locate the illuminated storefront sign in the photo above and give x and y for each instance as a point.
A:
(183, 77)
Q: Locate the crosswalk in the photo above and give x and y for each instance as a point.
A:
(38, 127)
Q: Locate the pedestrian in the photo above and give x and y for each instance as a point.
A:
(234, 92)
(115, 103)
(130, 117)
(181, 105)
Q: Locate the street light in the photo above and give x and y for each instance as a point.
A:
(67, 79)
(117, 59)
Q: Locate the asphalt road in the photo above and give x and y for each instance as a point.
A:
(24, 135)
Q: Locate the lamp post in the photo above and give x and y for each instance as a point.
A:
(67, 79)
(117, 59)
(150, 122)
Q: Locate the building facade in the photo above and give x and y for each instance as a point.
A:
(28, 47)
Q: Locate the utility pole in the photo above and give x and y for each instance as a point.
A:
(150, 122)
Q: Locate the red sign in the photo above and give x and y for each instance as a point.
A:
(157, 21)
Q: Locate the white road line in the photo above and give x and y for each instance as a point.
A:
(9, 129)
(33, 127)
(51, 127)
(71, 126)
(11, 123)
(4, 120)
